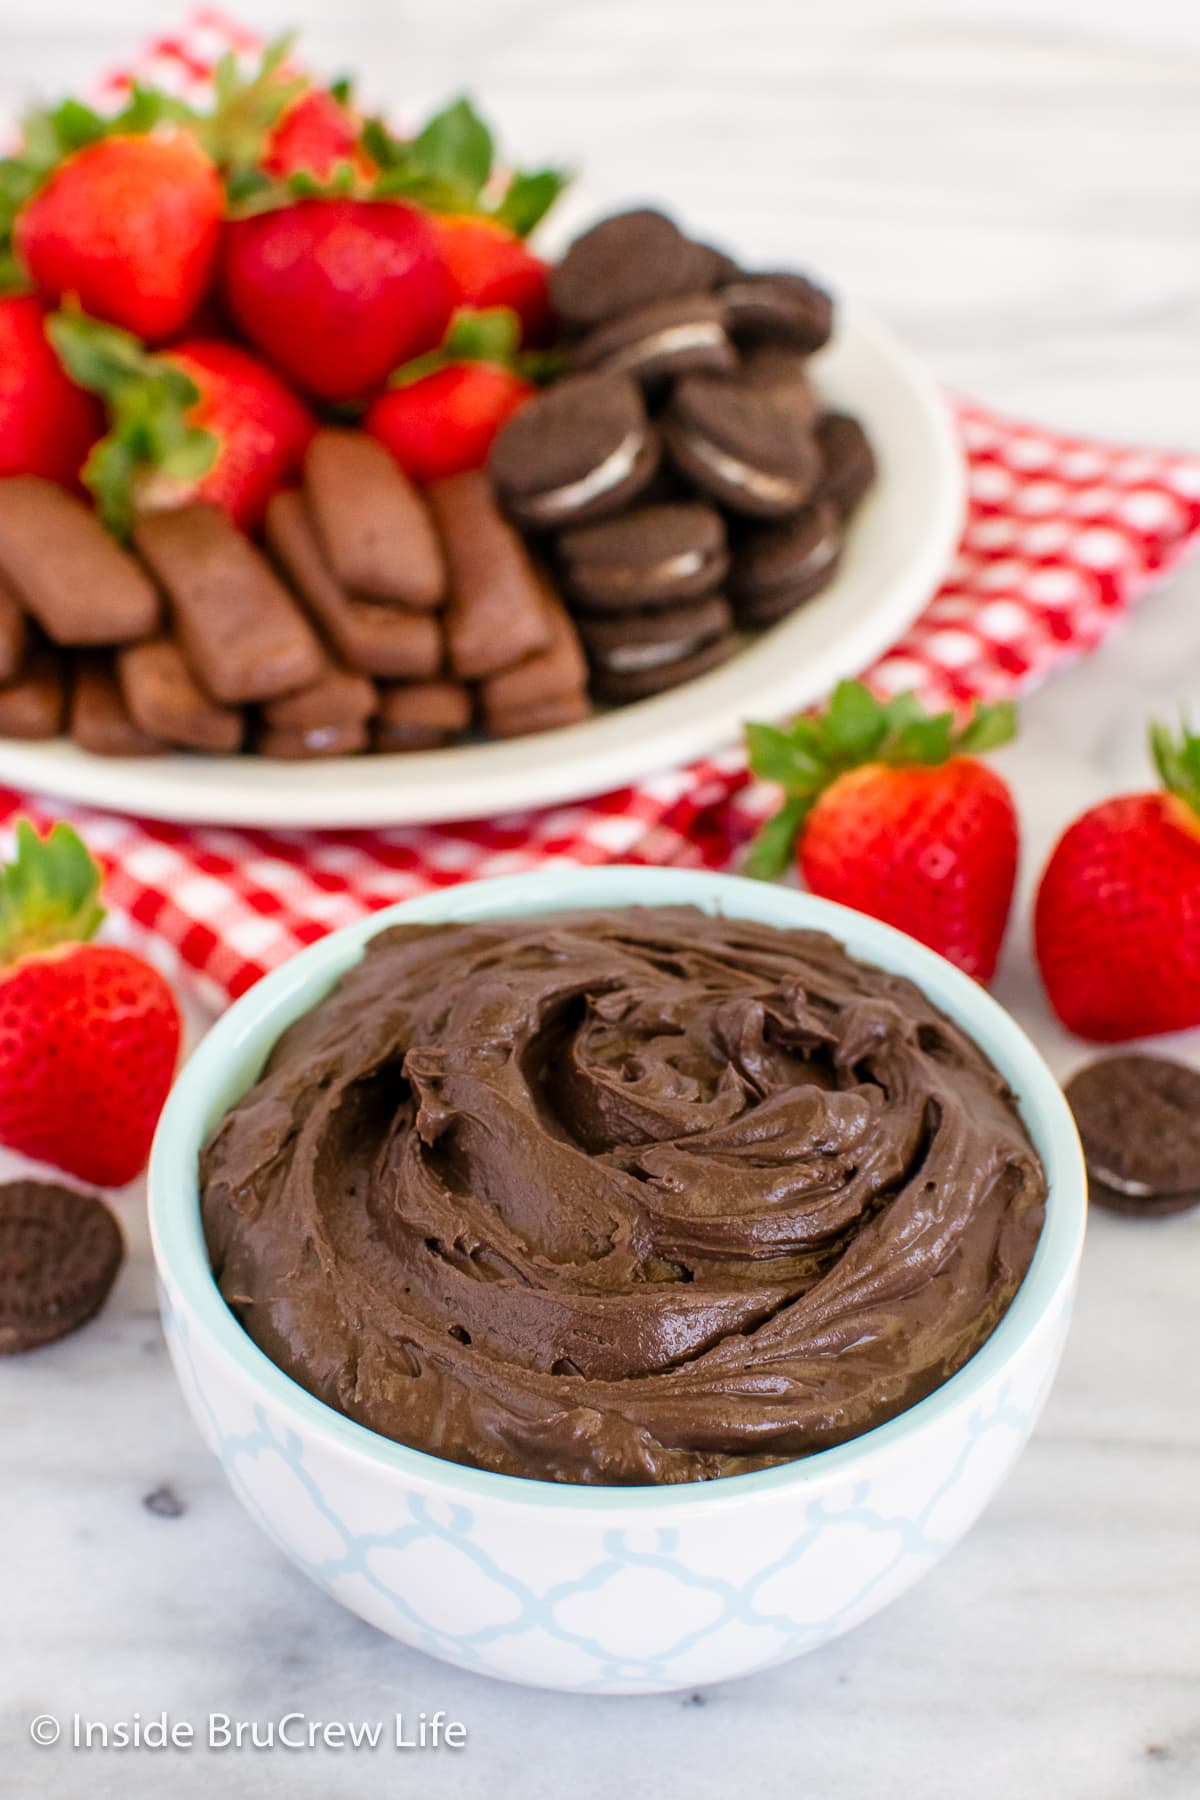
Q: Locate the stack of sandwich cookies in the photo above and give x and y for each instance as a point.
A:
(683, 478)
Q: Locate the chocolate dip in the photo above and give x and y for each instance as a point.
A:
(621, 1197)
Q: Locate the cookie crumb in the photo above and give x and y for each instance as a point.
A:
(164, 1503)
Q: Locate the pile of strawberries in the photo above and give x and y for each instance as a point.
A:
(889, 810)
(184, 290)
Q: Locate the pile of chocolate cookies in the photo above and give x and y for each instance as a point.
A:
(376, 617)
(682, 479)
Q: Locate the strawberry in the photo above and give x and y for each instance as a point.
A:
(89, 1033)
(490, 266)
(439, 414)
(130, 227)
(316, 135)
(47, 424)
(337, 290)
(897, 818)
(1117, 916)
(203, 420)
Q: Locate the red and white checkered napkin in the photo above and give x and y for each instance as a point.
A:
(1062, 534)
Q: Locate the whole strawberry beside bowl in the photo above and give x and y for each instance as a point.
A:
(1117, 917)
(89, 1033)
(889, 811)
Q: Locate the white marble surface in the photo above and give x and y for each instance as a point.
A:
(1015, 183)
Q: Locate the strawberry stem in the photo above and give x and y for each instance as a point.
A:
(1177, 760)
(855, 729)
(49, 892)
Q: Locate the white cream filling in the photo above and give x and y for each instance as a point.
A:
(627, 657)
(1136, 1190)
(702, 334)
(671, 568)
(617, 465)
(775, 489)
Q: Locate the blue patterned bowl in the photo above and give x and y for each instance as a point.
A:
(607, 1590)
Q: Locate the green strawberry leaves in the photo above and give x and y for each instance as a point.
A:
(49, 136)
(1177, 760)
(49, 893)
(855, 729)
(450, 166)
(490, 334)
(149, 400)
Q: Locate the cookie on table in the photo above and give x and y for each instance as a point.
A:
(581, 450)
(164, 699)
(654, 343)
(635, 655)
(245, 637)
(1138, 1118)
(741, 449)
(847, 461)
(60, 1251)
(373, 527)
(33, 704)
(390, 643)
(653, 556)
(780, 308)
(67, 571)
(778, 567)
(627, 261)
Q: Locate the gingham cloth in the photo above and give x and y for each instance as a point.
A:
(1062, 534)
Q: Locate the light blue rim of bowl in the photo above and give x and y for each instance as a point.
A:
(230, 1057)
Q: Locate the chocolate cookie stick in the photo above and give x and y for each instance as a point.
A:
(14, 632)
(557, 673)
(422, 715)
(388, 642)
(496, 616)
(164, 699)
(371, 522)
(33, 703)
(338, 697)
(80, 586)
(242, 632)
(100, 721)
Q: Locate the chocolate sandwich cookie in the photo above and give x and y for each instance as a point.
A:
(581, 450)
(242, 632)
(79, 585)
(1139, 1123)
(422, 715)
(847, 461)
(302, 743)
(645, 653)
(778, 308)
(14, 632)
(59, 1255)
(388, 642)
(555, 673)
(739, 447)
(100, 721)
(662, 340)
(628, 261)
(650, 557)
(782, 374)
(495, 616)
(338, 697)
(777, 567)
(33, 704)
(371, 522)
(164, 699)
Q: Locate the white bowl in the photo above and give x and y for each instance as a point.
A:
(608, 1590)
(898, 548)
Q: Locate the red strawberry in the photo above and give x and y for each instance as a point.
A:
(896, 818)
(490, 266)
(203, 420)
(130, 227)
(338, 291)
(441, 412)
(89, 1033)
(1117, 918)
(47, 424)
(316, 135)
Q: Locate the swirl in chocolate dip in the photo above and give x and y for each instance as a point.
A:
(621, 1197)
